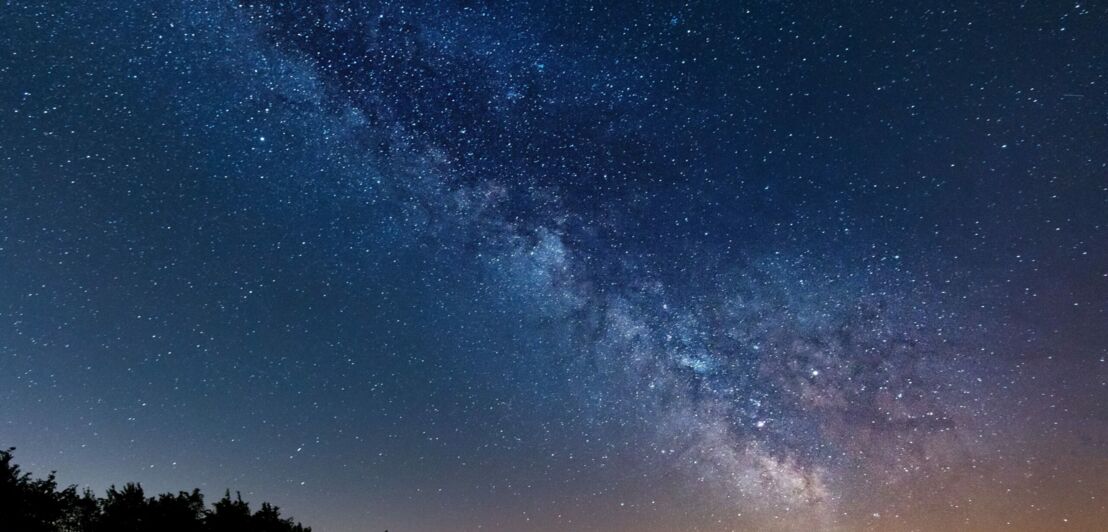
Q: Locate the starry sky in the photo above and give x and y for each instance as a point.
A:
(548, 266)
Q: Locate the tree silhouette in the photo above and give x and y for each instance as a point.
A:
(31, 505)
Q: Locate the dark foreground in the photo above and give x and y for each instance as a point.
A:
(37, 505)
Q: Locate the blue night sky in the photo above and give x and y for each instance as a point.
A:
(553, 266)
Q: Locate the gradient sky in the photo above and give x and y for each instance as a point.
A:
(548, 266)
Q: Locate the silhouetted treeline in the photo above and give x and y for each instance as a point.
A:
(37, 505)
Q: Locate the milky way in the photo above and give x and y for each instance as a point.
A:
(563, 267)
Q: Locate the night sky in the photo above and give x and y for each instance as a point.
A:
(563, 266)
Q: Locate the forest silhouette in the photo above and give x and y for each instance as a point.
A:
(37, 505)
